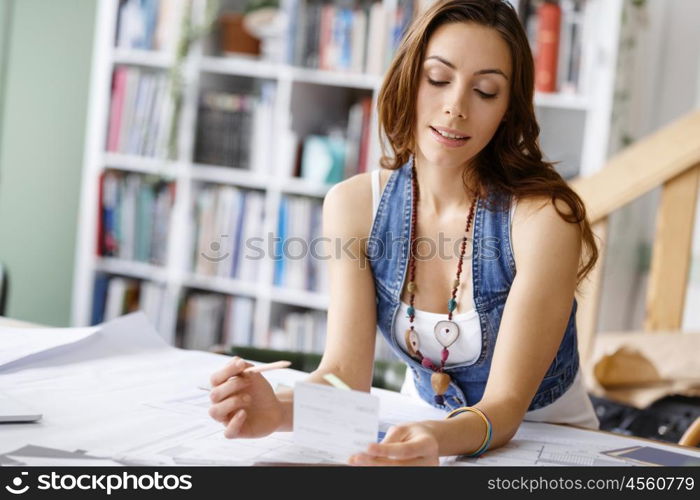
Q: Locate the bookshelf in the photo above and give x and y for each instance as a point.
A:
(137, 152)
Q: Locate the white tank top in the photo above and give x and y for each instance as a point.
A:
(467, 347)
(573, 407)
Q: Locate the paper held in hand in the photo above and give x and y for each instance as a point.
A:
(339, 422)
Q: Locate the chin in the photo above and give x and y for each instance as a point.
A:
(435, 155)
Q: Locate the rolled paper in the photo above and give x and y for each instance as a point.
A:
(440, 382)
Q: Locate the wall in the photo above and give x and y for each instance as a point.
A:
(48, 51)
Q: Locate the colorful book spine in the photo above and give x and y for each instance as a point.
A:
(548, 30)
(116, 108)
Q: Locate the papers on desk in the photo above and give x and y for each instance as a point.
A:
(125, 394)
(42, 456)
(339, 422)
(19, 343)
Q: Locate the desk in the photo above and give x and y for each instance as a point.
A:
(124, 392)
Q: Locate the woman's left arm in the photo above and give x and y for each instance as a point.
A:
(546, 250)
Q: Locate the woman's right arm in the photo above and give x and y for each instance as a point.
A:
(351, 325)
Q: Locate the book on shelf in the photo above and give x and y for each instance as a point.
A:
(208, 319)
(572, 46)
(403, 15)
(227, 222)
(114, 296)
(139, 113)
(323, 158)
(135, 213)
(548, 39)
(349, 36)
(234, 130)
(202, 321)
(238, 321)
(247, 252)
(149, 24)
(326, 36)
(357, 147)
(554, 30)
(339, 153)
(300, 261)
(299, 331)
(364, 139)
(376, 39)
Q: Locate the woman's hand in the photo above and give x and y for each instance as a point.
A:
(244, 402)
(405, 444)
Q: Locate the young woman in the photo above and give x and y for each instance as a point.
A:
(489, 344)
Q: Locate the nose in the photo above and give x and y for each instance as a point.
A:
(457, 106)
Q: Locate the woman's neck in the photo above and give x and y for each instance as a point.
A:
(441, 188)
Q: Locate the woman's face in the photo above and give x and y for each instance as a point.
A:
(464, 86)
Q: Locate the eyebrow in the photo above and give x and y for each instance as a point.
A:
(480, 72)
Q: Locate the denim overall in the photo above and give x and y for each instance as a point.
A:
(493, 271)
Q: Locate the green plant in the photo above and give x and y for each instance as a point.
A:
(189, 33)
(254, 5)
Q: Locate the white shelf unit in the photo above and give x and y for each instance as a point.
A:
(574, 127)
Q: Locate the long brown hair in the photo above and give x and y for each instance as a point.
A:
(512, 161)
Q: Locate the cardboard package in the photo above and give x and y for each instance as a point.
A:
(638, 368)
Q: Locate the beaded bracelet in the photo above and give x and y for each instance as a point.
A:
(487, 439)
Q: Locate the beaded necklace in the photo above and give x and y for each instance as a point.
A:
(447, 331)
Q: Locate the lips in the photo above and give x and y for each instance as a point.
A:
(451, 131)
(446, 141)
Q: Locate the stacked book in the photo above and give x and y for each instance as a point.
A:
(134, 218)
(228, 225)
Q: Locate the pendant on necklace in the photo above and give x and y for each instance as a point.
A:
(446, 333)
(411, 338)
(440, 382)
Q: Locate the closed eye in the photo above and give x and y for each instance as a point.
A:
(483, 94)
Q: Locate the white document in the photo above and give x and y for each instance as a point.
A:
(51, 347)
(65, 462)
(18, 343)
(339, 422)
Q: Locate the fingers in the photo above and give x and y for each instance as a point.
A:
(222, 410)
(228, 388)
(396, 444)
(232, 368)
(401, 444)
(406, 450)
(234, 426)
(368, 460)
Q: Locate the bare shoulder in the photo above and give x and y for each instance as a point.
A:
(540, 210)
(348, 204)
(539, 232)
